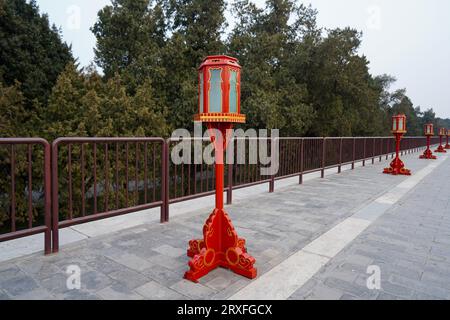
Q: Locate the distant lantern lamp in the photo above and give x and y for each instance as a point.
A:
(447, 146)
(219, 109)
(398, 129)
(429, 132)
(442, 133)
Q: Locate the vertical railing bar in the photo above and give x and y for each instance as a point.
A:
(302, 164)
(51, 200)
(69, 150)
(48, 201)
(373, 151)
(354, 153)
(154, 169)
(165, 196)
(175, 180)
(95, 178)
(182, 179)
(145, 173)
(322, 175)
(106, 177)
(136, 174)
(387, 148)
(30, 188)
(117, 177)
(195, 178)
(13, 189)
(127, 181)
(83, 187)
(381, 148)
(365, 152)
(201, 177)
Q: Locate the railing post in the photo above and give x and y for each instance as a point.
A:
(381, 148)
(165, 182)
(354, 153)
(302, 164)
(322, 174)
(272, 148)
(364, 156)
(47, 198)
(373, 151)
(340, 156)
(55, 197)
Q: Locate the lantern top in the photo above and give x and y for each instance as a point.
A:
(220, 60)
(429, 130)
(220, 90)
(399, 123)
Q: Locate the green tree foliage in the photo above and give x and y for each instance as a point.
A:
(31, 51)
(12, 110)
(82, 104)
(273, 95)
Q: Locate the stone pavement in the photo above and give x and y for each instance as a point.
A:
(410, 244)
(148, 261)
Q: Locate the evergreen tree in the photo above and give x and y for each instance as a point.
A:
(31, 51)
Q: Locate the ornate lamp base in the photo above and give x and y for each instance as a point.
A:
(447, 146)
(397, 167)
(220, 247)
(428, 154)
(440, 149)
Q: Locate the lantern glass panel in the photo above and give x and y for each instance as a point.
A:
(394, 124)
(233, 92)
(201, 93)
(401, 124)
(215, 91)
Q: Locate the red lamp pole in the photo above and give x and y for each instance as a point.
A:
(441, 148)
(447, 146)
(398, 129)
(219, 108)
(429, 132)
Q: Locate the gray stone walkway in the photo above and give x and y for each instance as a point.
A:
(409, 243)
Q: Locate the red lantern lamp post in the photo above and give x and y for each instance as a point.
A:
(398, 129)
(442, 133)
(447, 146)
(219, 108)
(429, 132)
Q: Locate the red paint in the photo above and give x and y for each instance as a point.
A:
(441, 148)
(447, 146)
(429, 132)
(397, 166)
(220, 246)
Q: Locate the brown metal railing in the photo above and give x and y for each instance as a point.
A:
(25, 189)
(97, 178)
(114, 176)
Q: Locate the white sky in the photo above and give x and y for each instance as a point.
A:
(408, 39)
